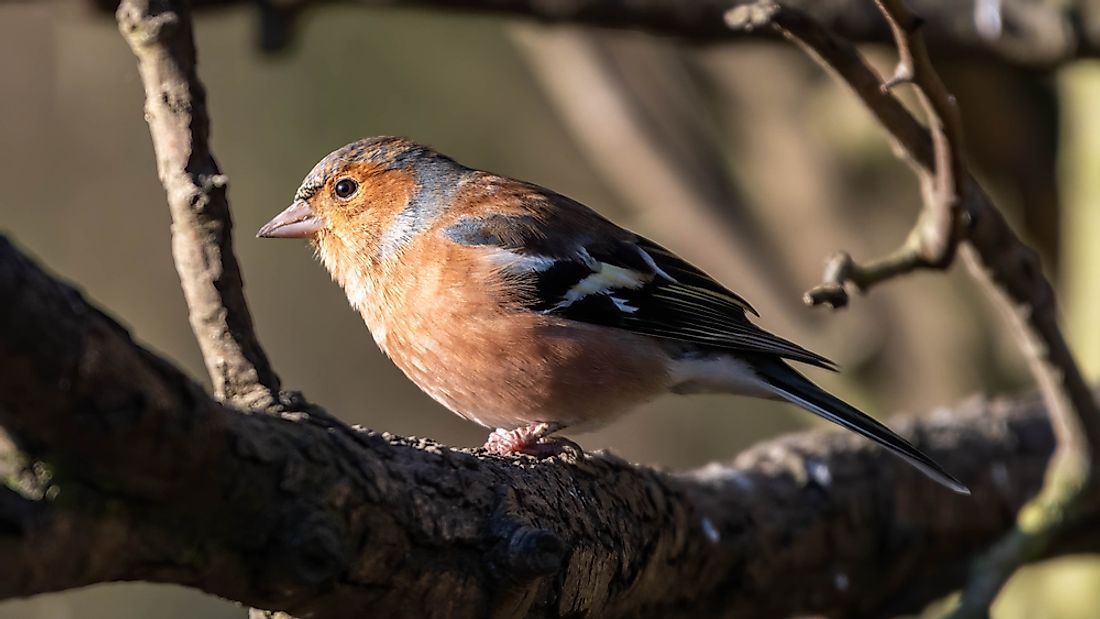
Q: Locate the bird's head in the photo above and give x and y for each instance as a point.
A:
(370, 196)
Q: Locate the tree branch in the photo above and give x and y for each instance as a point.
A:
(1020, 32)
(997, 257)
(933, 241)
(151, 479)
(159, 33)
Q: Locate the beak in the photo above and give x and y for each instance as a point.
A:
(296, 222)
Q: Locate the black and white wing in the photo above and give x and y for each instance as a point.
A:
(623, 281)
(647, 289)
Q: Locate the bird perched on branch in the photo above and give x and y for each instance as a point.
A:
(528, 313)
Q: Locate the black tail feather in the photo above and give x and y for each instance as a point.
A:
(792, 386)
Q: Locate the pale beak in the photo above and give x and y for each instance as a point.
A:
(296, 222)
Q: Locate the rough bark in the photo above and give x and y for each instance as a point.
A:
(148, 478)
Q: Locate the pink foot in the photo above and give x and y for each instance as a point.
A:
(531, 440)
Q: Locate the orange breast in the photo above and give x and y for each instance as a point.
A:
(449, 325)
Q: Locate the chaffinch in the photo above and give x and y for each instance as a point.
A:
(526, 312)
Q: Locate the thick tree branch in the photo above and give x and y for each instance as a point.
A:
(159, 33)
(1020, 32)
(996, 256)
(151, 479)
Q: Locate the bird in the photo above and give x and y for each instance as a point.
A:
(529, 313)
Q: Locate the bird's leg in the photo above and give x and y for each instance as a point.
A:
(533, 440)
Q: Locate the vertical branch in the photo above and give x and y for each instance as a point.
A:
(935, 233)
(1065, 494)
(159, 33)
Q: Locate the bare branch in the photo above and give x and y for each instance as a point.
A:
(159, 33)
(151, 479)
(935, 233)
(998, 258)
(1012, 266)
(1019, 32)
(841, 270)
(939, 161)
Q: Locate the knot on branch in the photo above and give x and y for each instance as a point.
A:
(523, 552)
(310, 549)
(839, 269)
(529, 552)
(147, 23)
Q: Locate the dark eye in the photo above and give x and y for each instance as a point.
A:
(345, 187)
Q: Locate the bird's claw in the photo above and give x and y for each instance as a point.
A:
(530, 440)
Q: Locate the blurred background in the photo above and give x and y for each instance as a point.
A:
(747, 159)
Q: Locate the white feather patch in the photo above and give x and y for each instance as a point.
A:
(717, 374)
(622, 305)
(608, 278)
(651, 263)
(519, 263)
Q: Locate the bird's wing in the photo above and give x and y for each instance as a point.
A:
(579, 266)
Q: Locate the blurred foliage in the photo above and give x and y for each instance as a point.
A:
(81, 194)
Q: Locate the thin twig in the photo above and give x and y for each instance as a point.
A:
(935, 232)
(841, 270)
(998, 258)
(931, 243)
(159, 33)
(934, 238)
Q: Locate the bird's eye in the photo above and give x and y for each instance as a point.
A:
(345, 187)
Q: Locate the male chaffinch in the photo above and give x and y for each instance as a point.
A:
(525, 311)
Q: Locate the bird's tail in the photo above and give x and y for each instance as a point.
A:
(788, 384)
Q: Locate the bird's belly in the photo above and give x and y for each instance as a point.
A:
(509, 371)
